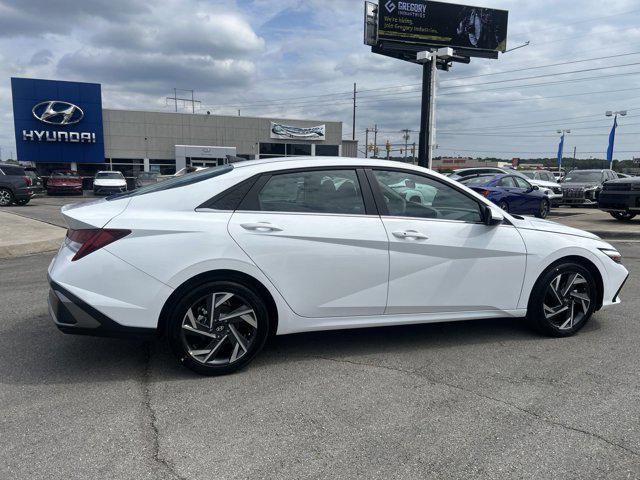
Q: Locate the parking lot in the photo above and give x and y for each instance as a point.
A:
(485, 399)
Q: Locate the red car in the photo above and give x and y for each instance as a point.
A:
(64, 181)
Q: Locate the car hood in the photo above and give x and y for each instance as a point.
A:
(552, 227)
(109, 182)
(544, 183)
(580, 185)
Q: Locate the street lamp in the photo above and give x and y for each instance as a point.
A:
(612, 135)
(562, 132)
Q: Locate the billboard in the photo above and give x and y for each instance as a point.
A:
(442, 24)
(303, 133)
(57, 121)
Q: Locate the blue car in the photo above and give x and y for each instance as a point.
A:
(512, 193)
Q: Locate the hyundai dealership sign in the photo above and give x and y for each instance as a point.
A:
(57, 121)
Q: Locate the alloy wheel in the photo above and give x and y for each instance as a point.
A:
(544, 209)
(567, 300)
(5, 197)
(219, 329)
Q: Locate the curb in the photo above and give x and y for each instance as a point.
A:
(21, 249)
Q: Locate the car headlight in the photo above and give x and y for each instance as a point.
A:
(612, 254)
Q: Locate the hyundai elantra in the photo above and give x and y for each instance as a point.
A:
(218, 260)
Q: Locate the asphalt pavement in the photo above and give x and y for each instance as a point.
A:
(484, 399)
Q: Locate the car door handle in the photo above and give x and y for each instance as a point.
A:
(410, 234)
(260, 227)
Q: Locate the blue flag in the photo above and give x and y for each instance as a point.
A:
(612, 139)
(560, 151)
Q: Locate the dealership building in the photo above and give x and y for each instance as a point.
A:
(62, 125)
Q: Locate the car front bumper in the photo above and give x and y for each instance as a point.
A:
(624, 201)
(100, 190)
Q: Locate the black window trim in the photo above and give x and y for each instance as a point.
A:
(250, 202)
(382, 205)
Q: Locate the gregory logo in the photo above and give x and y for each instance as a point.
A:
(390, 6)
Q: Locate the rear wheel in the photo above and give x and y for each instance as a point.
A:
(543, 211)
(22, 202)
(623, 216)
(218, 328)
(563, 299)
(6, 197)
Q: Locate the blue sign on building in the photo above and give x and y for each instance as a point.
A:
(57, 121)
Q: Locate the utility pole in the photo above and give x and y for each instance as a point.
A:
(375, 141)
(353, 136)
(406, 142)
(366, 143)
(427, 114)
(175, 99)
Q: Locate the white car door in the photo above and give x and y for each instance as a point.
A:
(443, 258)
(313, 235)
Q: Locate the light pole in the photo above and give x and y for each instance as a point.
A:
(562, 132)
(612, 135)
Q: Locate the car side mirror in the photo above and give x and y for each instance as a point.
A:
(492, 216)
(535, 187)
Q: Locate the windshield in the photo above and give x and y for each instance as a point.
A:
(64, 175)
(111, 175)
(175, 182)
(583, 176)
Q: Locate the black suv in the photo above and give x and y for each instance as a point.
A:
(621, 198)
(15, 185)
(582, 187)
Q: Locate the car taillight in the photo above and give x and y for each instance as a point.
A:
(84, 242)
(27, 180)
(485, 193)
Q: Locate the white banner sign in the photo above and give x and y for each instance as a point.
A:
(303, 133)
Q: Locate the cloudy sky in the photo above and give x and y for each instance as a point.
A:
(300, 58)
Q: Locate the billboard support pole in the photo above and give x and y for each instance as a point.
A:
(427, 114)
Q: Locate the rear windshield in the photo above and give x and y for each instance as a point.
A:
(530, 175)
(64, 175)
(176, 182)
(11, 170)
(113, 175)
(475, 181)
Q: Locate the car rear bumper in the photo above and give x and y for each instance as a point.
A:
(74, 316)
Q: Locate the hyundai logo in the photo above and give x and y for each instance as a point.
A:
(55, 112)
(390, 6)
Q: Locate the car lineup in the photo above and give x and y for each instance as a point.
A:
(511, 193)
(219, 259)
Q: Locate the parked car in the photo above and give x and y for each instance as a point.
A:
(512, 193)
(547, 183)
(621, 198)
(146, 178)
(15, 185)
(36, 180)
(582, 187)
(219, 259)
(109, 182)
(64, 181)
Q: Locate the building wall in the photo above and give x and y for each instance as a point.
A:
(133, 134)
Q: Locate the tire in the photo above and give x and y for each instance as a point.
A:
(504, 205)
(623, 216)
(543, 211)
(564, 314)
(23, 202)
(220, 347)
(6, 197)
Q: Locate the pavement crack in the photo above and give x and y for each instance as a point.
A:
(513, 406)
(152, 419)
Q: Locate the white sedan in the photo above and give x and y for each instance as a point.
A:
(218, 260)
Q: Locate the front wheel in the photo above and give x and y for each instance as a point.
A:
(623, 216)
(22, 202)
(543, 211)
(6, 197)
(218, 328)
(562, 300)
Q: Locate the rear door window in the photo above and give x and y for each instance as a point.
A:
(11, 170)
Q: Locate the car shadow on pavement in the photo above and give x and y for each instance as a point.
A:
(62, 359)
